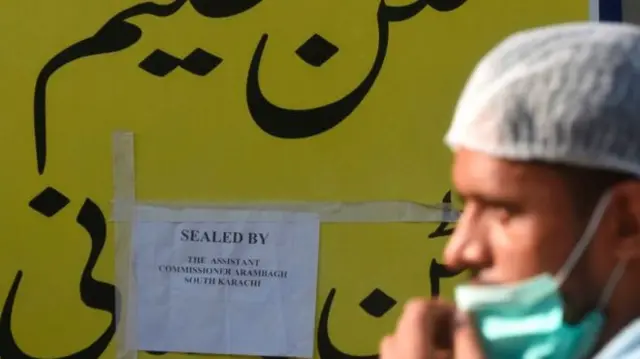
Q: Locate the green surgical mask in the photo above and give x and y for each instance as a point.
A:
(525, 320)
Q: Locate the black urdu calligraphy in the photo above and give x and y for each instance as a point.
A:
(442, 230)
(439, 271)
(375, 304)
(289, 123)
(115, 35)
(94, 294)
(224, 8)
(286, 123)
(400, 13)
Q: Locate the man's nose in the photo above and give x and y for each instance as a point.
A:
(467, 247)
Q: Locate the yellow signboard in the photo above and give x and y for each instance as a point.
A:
(231, 100)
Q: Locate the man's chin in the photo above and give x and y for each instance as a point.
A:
(485, 281)
(443, 354)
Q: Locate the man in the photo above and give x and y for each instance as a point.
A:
(546, 142)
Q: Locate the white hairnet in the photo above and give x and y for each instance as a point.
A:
(565, 94)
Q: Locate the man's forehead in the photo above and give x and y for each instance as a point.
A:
(481, 174)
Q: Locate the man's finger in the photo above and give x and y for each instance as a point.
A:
(426, 324)
(414, 328)
(387, 349)
(466, 341)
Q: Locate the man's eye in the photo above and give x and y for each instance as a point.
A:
(502, 211)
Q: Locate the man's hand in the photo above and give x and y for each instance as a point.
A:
(431, 329)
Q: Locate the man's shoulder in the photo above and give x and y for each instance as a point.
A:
(625, 345)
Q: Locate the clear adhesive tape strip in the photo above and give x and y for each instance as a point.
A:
(124, 195)
(329, 212)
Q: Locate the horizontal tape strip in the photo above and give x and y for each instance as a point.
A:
(328, 212)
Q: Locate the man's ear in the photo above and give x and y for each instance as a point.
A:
(627, 203)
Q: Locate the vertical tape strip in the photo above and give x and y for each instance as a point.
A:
(124, 196)
(594, 10)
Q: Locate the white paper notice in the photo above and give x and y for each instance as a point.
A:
(242, 283)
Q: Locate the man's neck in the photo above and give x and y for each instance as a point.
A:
(619, 315)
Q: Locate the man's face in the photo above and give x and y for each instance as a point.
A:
(518, 221)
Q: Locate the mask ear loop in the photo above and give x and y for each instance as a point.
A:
(585, 240)
(612, 284)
